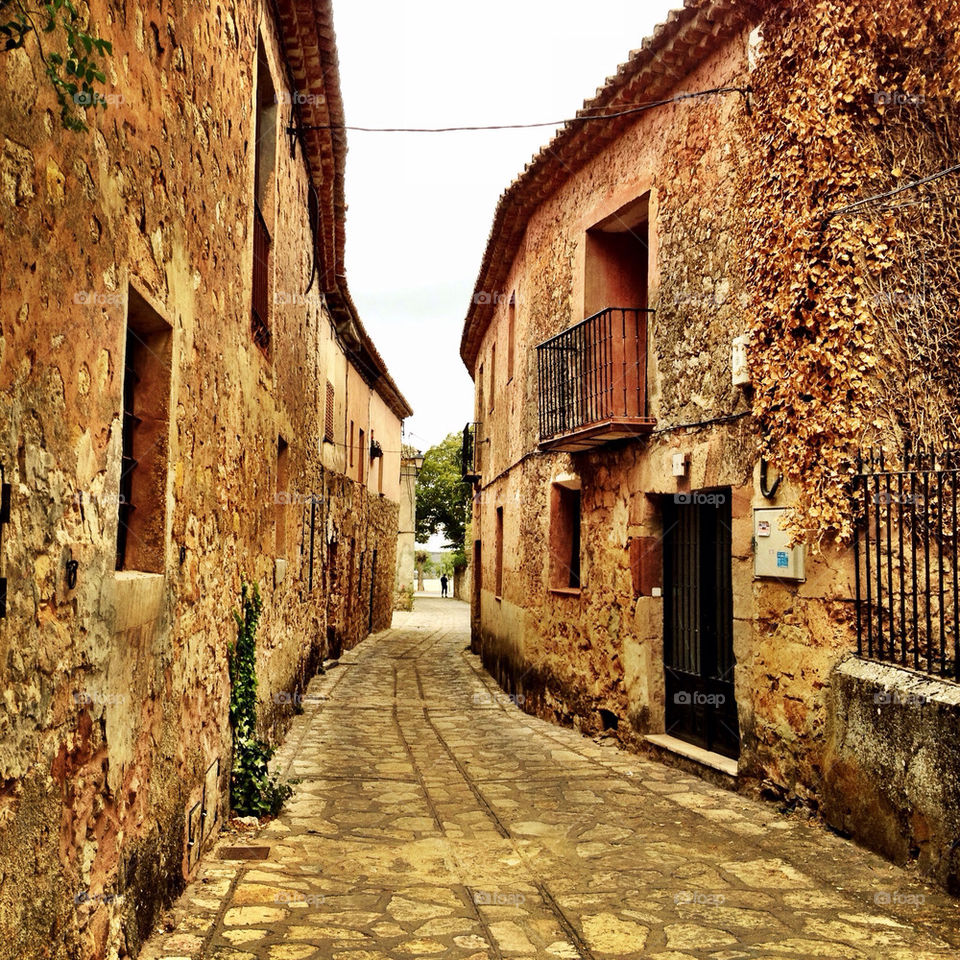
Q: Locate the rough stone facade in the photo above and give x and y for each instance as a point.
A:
(593, 654)
(115, 747)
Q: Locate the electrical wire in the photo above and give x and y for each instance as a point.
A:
(853, 207)
(639, 108)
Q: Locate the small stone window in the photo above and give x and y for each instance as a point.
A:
(493, 376)
(265, 133)
(141, 528)
(328, 435)
(498, 573)
(282, 499)
(565, 537)
(511, 335)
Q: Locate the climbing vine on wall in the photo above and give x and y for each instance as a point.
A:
(73, 74)
(855, 334)
(253, 792)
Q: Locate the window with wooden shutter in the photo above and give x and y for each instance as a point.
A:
(328, 424)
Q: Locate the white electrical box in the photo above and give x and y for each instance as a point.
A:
(773, 556)
(739, 367)
(679, 465)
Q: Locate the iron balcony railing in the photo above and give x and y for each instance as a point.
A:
(594, 372)
(470, 453)
(259, 320)
(906, 558)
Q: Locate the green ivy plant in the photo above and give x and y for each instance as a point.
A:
(73, 74)
(253, 792)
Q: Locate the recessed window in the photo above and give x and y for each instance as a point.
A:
(617, 259)
(264, 161)
(565, 537)
(141, 528)
(282, 498)
(493, 375)
(511, 334)
(361, 457)
(499, 553)
(480, 406)
(328, 423)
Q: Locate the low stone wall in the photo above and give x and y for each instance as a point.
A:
(892, 765)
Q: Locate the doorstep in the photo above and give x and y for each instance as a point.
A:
(706, 758)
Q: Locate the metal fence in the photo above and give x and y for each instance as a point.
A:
(470, 453)
(906, 553)
(594, 371)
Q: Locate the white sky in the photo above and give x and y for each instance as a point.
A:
(421, 205)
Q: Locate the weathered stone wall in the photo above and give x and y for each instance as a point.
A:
(892, 767)
(594, 658)
(116, 691)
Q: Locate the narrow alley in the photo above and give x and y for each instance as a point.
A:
(433, 818)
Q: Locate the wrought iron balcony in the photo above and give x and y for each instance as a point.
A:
(470, 453)
(593, 381)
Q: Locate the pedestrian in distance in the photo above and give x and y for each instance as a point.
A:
(443, 585)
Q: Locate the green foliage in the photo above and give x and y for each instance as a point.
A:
(73, 74)
(253, 792)
(443, 501)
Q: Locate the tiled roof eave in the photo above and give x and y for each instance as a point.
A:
(677, 46)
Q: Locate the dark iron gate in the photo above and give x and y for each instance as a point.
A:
(698, 622)
(906, 559)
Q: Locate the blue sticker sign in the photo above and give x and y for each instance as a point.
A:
(783, 558)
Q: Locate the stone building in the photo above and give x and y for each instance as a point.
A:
(188, 400)
(632, 573)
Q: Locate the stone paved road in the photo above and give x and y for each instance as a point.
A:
(435, 820)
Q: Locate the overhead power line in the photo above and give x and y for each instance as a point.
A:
(853, 207)
(639, 108)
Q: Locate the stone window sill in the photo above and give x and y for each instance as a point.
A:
(566, 591)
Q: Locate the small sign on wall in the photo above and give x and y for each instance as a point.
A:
(773, 554)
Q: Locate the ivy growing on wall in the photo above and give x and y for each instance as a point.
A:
(253, 792)
(855, 335)
(75, 73)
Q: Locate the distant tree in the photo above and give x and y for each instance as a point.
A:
(443, 501)
(422, 560)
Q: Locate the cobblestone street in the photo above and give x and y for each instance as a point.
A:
(435, 819)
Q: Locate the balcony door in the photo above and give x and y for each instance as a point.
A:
(698, 622)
